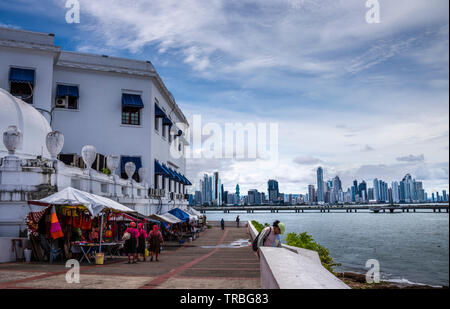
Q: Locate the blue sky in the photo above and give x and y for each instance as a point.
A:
(362, 100)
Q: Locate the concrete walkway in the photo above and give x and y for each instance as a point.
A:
(208, 262)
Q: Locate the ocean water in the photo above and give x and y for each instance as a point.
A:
(410, 247)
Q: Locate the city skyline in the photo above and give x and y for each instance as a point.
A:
(406, 190)
(374, 106)
(262, 186)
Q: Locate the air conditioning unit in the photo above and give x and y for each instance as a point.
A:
(61, 102)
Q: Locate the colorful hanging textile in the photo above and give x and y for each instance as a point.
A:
(55, 228)
(33, 219)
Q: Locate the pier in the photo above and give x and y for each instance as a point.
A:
(209, 262)
(405, 208)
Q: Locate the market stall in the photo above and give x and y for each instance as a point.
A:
(73, 223)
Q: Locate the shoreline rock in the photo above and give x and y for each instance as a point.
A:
(358, 281)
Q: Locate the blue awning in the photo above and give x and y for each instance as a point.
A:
(178, 176)
(132, 100)
(63, 90)
(177, 212)
(21, 75)
(172, 175)
(167, 122)
(159, 113)
(187, 182)
(136, 160)
(161, 170)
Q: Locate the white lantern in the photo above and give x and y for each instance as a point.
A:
(12, 138)
(142, 174)
(88, 153)
(130, 168)
(55, 143)
(112, 161)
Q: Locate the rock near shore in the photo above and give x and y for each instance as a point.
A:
(358, 281)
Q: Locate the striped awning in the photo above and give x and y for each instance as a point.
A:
(159, 113)
(132, 100)
(161, 170)
(64, 90)
(167, 122)
(19, 75)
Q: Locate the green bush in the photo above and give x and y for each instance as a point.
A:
(258, 226)
(305, 241)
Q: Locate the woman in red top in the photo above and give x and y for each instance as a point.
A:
(131, 244)
(141, 240)
(156, 240)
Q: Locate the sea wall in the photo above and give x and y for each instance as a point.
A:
(293, 268)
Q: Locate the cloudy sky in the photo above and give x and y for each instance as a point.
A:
(361, 100)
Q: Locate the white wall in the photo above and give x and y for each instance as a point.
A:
(98, 120)
(41, 62)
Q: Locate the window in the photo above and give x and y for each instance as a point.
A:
(131, 109)
(21, 83)
(164, 131)
(137, 162)
(131, 116)
(66, 97)
(156, 124)
(156, 181)
(23, 91)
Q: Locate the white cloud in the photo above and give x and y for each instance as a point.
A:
(412, 158)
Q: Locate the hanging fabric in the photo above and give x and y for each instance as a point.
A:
(55, 228)
(86, 223)
(32, 221)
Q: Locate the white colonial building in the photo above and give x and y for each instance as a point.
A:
(120, 108)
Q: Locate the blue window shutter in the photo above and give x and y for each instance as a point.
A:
(132, 100)
(19, 75)
(63, 90)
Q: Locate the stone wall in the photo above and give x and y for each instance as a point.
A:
(293, 268)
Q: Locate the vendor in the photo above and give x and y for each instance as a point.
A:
(93, 235)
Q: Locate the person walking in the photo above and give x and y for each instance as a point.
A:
(222, 224)
(237, 221)
(156, 240)
(271, 235)
(131, 242)
(141, 241)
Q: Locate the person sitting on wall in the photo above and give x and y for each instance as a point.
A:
(271, 235)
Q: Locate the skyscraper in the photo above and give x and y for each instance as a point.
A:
(362, 190)
(272, 189)
(337, 184)
(395, 192)
(311, 194)
(253, 197)
(376, 190)
(320, 187)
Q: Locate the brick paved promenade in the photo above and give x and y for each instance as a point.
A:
(207, 262)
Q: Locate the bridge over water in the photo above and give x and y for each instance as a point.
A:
(441, 207)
